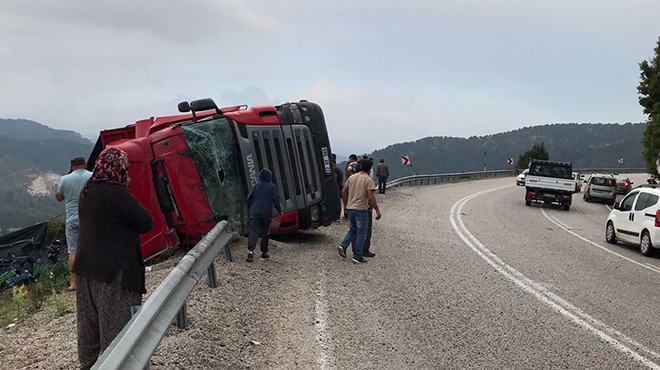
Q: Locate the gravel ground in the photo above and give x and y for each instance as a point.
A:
(426, 301)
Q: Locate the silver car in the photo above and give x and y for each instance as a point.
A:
(600, 187)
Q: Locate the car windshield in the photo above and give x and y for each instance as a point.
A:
(602, 181)
(551, 170)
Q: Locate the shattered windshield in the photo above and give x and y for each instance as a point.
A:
(216, 157)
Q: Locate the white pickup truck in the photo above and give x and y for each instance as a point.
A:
(550, 182)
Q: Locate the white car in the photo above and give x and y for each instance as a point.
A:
(520, 179)
(578, 181)
(636, 220)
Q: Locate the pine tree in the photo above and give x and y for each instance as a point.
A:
(649, 99)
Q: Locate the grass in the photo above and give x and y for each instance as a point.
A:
(50, 282)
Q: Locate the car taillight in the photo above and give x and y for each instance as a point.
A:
(657, 218)
(625, 184)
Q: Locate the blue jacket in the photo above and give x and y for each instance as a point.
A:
(263, 197)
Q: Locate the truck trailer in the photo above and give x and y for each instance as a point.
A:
(195, 169)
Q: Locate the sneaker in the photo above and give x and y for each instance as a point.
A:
(250, 257)
(369, 254)
(265, 255)
(342, 251)
(359, 260)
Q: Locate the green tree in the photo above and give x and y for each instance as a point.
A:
(649, 99)
(537, 151)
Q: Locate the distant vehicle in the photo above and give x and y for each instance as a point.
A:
(623, 185)
(550, 182)
(600, 187)
(520, 179)
(636, 220)
(578, 181)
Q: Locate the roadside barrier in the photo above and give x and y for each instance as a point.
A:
(444, 178)
(136, 343)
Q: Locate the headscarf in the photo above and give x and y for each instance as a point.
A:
(112, 167)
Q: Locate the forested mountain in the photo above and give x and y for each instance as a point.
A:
(586, 145)
(32, 158)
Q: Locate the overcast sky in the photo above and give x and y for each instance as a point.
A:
(383, 71)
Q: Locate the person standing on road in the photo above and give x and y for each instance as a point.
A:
(69, 189)
(358, 196)
(261, 200)
(382, 172)
(338, 176)
(109, 266)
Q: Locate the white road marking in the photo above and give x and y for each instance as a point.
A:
(652, 268)
(606, 333)
(320, 325)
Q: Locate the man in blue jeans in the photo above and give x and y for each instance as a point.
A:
(358, 196)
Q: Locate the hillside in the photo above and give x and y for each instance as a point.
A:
(586, 145)
(32, 158)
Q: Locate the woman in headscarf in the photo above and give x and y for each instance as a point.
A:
(109, 267)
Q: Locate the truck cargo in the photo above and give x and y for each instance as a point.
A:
(195, 169)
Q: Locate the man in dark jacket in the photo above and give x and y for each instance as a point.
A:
(263, 197)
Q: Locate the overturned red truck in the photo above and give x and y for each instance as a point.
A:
(195, 169)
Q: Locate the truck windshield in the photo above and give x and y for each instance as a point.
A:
(551, 170)
(216, 156)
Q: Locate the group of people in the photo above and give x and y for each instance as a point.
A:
(103, 223)
(359, 204)
(358, 200)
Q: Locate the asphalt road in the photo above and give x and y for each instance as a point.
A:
(465, 277)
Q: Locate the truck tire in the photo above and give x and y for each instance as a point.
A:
(528, 203)
(610, 234)
(567, 207)
(645, 246)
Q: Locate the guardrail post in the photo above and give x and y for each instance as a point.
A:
(210, 276)
(182, 317)
(227, 253)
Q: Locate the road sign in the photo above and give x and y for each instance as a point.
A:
(509, 161)
(620, 160)
(405, 160)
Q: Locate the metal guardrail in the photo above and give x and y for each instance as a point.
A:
(443, 178)
(448, 177)
(135, 344)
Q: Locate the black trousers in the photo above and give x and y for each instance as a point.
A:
(258, 228)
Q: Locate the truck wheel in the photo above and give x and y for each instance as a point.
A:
(610, 235)
(645, 246)
(567, 207)
(528, 203)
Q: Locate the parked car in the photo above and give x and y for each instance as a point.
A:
(623, 185)
(578, 181)
(600, 187)
(520, 179)
(636, 220)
